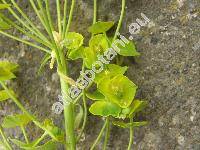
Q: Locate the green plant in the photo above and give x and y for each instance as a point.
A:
(114, 96)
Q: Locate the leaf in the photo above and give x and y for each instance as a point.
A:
(9, 66)
(98, 44)
(128, 50)
(73, 40)
(100, 27)
(119, 90)
(16, 120)
(4, 6)
(50, 127)
(4, 25)
(110, 71)
(105, 109)
(89, 57)
(128, 125)
(6, 74)
(76, 53)
(137, 106)
(4, 96)
(51, 145)
(95, 95)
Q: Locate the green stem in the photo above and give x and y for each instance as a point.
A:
(70, 17)
(25, 32)
(64, 19)
(69, 118)
(5, 139)
(20, 20)
(24, 133)
(95, 12)
(100, 135)
(43, 16)
(68, 109)
(29, 21)
(24, 41)
(107, 135)
(40, 139)
(49, 15)
(21, 107)
(85, 109)
(120, 20)
(59, 16)
(131, 135)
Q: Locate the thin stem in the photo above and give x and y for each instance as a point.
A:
(85, 109)
(43, 16)
(64, 18)
(40, 139)
(95, 12)
(21, 21)
(49, 15)
(59, 16)
(131, 135)
(24, 41)
(25, 32)
(5, 139)
(120, 20)
(70, 16)
(21, 107)
(29, 21)
(24, 133)
(107, 135)
(100, 135)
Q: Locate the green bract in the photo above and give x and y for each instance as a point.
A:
(128, 50)
(119, 90)
(100, 27)
(98, 44)
(95, 96)
(111, 70)
(73, 40)
(105, 109)
(16, 120)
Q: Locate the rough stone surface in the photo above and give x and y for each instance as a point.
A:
(167, 73)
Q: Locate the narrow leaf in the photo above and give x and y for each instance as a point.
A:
(4, 6)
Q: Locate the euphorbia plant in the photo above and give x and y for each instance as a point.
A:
(114, 94)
